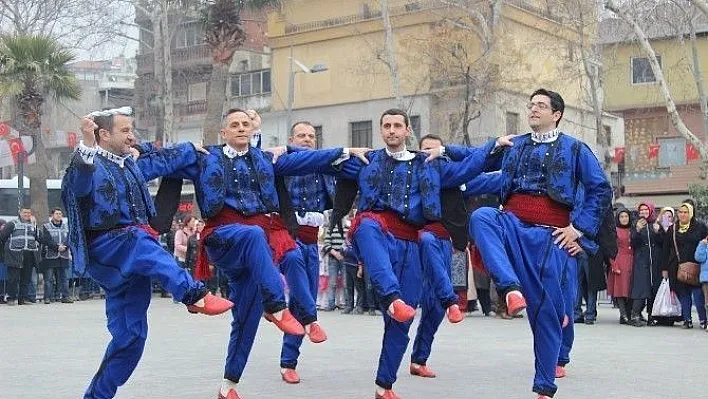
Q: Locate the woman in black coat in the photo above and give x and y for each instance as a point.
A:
(647, 251)
(680, 242)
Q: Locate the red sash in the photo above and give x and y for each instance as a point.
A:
(279, 240)
(308, 234)
(538, 209)
(390, 222)
(437, 229)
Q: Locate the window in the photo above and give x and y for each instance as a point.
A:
(672, 152)
(251, 83)
(641, 70)
(512, 123)
(415, 126)
(361, 134)
(197, 92)
(318, 136)
(188, 35)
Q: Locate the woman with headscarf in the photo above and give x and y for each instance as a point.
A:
(620, 273)
(665, 220)
(645, 243)
(681, 241)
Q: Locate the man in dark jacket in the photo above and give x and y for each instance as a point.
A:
(22, 239)
(55, 262)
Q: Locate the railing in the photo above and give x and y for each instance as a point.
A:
(180, 57)
(367, 15)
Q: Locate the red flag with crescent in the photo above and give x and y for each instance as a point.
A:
(619, 154)
(16, 147)
(4, 130)
(654, 150)
(71, 140)
(692, 152)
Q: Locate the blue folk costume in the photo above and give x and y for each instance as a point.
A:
(438, 241)
(310, 196)
(399, 194)
(236, 193)
(539, 187)
(108, 205)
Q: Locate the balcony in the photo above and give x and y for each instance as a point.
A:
(192, 108)
(183, 57)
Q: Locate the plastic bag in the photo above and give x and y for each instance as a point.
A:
(666, 304)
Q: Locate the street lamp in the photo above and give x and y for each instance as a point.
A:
(317, 68)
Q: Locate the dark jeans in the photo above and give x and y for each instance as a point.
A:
(219, 282)
(18, 281)
(56, 284)
(584, 293)
(689, 295)
(485, 300)
(370, 300)
(334, 269)
(352, 283)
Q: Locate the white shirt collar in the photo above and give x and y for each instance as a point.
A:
(232, 153)
(117, 159)
(403, 155)
(547, 137)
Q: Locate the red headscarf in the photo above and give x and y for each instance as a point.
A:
(652, 212)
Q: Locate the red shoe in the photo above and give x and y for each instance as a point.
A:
(388, 394)
(287, 323)
(515, 303)
(317, 334)
(229, 395)
(290, 376)
(543, 397)
(401, 312)
(454, 314)
(422, 371)
(213, 305)
(560, 371)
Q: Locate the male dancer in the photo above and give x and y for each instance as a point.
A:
(437, 240)
(310, 195)
(524, 246)
(108, 204)
(400, 192)
(236, 192)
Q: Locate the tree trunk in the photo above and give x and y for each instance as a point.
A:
(216, 98)
(390, 50)
(158, 73)
(698, 76)
(674, 116)
(29, 117)
(168, 98)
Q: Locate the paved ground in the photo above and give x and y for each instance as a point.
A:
(51, 351)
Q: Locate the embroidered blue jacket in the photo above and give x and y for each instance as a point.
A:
(311, 193)
(412, 188)
(555, 169)
(102, 195)
(247, 183)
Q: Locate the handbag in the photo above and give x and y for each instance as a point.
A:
(688, 272)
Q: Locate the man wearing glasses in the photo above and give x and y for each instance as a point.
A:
(525, 247)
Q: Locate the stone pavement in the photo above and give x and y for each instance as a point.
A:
(52, 351)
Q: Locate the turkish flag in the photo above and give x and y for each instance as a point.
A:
(692, 152)
(4, 130)
(71, 140)
(619, 154)
(16, 147)
(654, 150)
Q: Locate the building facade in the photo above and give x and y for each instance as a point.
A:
(346, 100)
(657, 162)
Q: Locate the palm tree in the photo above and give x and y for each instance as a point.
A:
(224, 34)
(33, 67)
